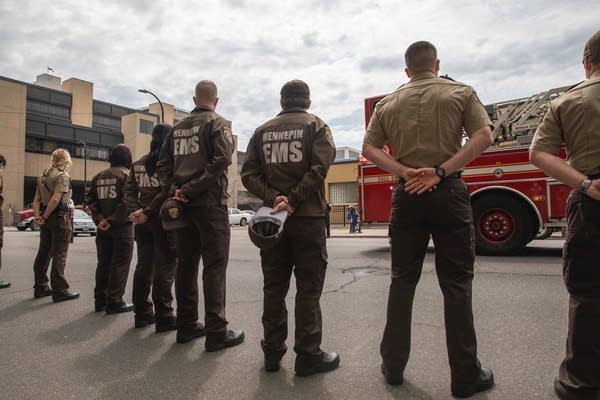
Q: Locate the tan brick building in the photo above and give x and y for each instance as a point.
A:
(36, 119)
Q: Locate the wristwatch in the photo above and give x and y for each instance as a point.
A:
(585, 185)
(441, 172)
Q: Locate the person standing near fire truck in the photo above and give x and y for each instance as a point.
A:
(574, 119)
(423, 121)
(286, 163)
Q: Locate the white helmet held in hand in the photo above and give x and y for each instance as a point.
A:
(265, 229)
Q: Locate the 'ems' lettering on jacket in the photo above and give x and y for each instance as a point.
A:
(195, 158)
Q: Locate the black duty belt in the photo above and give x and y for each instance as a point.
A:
(454, 175)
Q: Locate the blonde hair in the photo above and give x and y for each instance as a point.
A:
(61, 159)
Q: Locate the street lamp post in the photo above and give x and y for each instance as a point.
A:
(84, 167)
(162, 110)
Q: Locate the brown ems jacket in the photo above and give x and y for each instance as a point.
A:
(105, 197)
(195, 158)
(290, 155)
(143, 191)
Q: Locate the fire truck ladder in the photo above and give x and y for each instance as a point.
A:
(521, 117)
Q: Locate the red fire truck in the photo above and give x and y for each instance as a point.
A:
(513, 201)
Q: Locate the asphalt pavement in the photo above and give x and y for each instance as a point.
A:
(68, 351)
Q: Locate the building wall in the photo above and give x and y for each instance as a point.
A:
(12, 144)
(341, 173)
(82, 111)
(35, 119)
(169, 112)
(138, 143)
(233, 177)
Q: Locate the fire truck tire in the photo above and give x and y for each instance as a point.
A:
(503, 225)
(21, 228)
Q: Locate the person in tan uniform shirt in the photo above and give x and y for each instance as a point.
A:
(423, 121)
(3, 284)
(286, 164)
(51, 210)
(574, 119)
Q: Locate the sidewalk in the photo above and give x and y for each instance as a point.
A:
(366, 231)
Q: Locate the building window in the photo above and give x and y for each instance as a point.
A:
(46, 109)
(146, 126)
(47, 146)
(107, 122)
(343, 193)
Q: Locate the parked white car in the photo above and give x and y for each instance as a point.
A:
(83, 223)
(238, 217)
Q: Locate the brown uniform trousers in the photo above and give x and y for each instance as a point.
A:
(155, 268)
(581, 366)
(115, 248)
(444, 214)
(301, 250)
(207, 235)
(55, 236)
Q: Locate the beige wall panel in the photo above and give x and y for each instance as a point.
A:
(13, 98)
(169, 112)
(82, 108)
(138, 143)
(35, 164)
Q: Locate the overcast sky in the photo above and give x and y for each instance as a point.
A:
(344, 50)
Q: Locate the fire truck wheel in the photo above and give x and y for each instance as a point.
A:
(503, 225)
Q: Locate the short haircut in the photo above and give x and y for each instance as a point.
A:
(295, 94)
(206, 91)
(420, 56)
(120, 156)
(2, 160)
(592, 48)
(295, 102)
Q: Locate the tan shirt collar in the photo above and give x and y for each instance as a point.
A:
(423, 75)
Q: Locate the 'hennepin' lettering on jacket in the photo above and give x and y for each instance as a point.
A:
(142, 178)
(283, 135)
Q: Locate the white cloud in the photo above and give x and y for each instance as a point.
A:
(345, 51)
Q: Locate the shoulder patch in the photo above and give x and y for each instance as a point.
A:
(227, 133)
(63, 179)
(329, 136)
